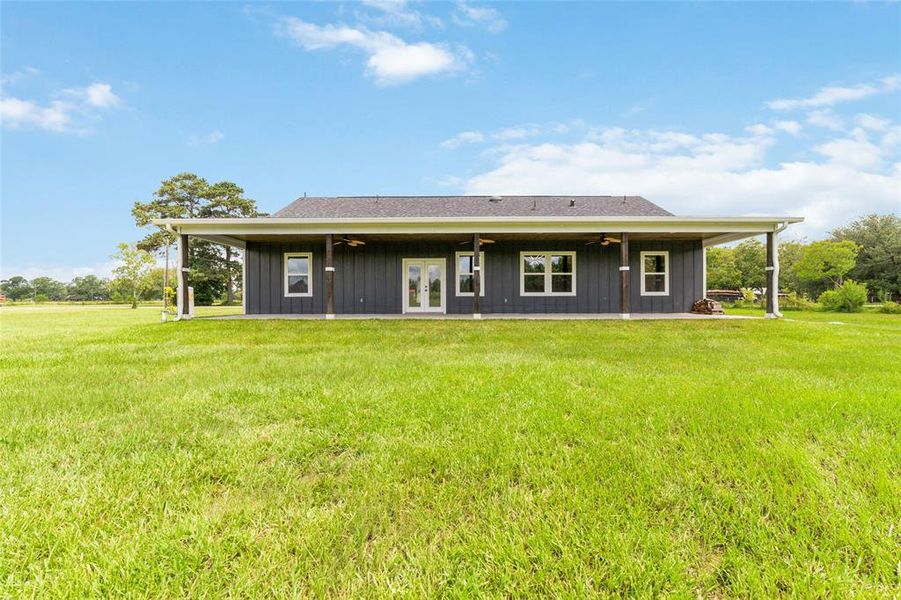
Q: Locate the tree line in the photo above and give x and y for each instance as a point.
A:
(868, 251)
(215, 270)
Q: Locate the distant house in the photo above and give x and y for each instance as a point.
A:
(474, 255)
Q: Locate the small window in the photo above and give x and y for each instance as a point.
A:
(655, 273)
(298, 274)
(548, 274)
(465, 273)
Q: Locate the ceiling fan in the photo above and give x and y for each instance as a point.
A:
(604, 240)
(481, 241)
(353, 243)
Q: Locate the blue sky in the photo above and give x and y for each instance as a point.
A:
(722, 108)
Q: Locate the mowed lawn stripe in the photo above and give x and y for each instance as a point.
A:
(720, 458)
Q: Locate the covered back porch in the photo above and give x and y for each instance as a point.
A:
(655, 266)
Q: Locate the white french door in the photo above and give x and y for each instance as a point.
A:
(424, 285)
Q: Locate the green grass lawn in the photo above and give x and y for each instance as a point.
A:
(713, 458)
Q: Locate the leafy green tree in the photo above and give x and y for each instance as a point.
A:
(49, 288)
(827, 261)
(750, 260)
(226, 200)
(132, 271)
(790, 253)
(16, 288)
(152, 287)
(186, 195)
(722, 274)
(879, 258)
(88, 287)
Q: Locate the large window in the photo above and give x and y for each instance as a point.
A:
(655, 273)
(465, 273)
(547, 273)
(298, 274)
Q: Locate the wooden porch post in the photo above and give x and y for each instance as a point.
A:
(772, 276)
(183, 278)
(624, 275)
(476, 278)
(329, 277)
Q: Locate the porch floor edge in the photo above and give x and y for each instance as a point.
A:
(484, 317)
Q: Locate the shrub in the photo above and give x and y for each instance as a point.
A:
(890, 308)
(795, 302)
(848, 297)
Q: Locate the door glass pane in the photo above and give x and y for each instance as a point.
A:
(434, 286)
(533, 264)
(533, 283)
(562, 283)
(562, 263)
(414, 285)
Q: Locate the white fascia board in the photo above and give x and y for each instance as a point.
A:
(280, 226)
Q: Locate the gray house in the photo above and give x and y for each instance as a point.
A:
(474, 255)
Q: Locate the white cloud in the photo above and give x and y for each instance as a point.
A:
(759, 129)
(790, 127)
(59, 116)
(212, 137)
(832, 95)
(517, 133)
(17, 75)
(466, 137)
(872, 122)
(15, 113)
(825, 118)
(488, 18)
(101, 95)
(391, 60)
(707, 174)
(855, 153)
(397, 13)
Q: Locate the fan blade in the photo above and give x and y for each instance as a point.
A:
(590, 243)
(485, 241)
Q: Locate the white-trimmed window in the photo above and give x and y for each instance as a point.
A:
(465, 273)
(547, 273)
(298, 274)
(655, 273)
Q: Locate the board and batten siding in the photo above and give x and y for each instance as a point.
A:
(368, 279)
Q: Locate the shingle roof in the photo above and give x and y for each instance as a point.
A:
(387, 207)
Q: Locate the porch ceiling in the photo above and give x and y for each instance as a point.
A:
(711, 230)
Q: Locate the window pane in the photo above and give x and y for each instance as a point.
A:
(561, 283)
(655, 263)
(465, 284)
(465, 265)
(298, 265)
(562, 263)
(533, 283)
(655, 283)
(533, 264)
(298, 284)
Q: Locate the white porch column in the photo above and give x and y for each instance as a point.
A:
(772, 275)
